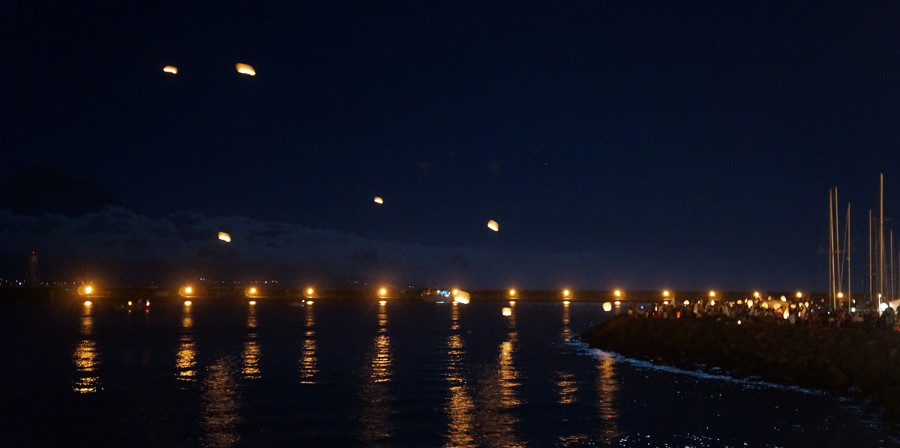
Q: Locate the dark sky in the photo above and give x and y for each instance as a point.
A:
(634, 144)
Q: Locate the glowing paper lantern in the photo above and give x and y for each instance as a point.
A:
(607, 306)
(171, 69)
(245, 69)
(225, 237)
(493, 225)
(378, 200)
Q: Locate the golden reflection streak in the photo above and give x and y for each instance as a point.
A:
(607, 392)
(377, 428)
(86, 357)
(220, 406)
(498, 396)
(309, 362)
(250, 356)
(459, 407)
(565, 379)
(186, 357)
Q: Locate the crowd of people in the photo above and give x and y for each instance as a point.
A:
(780, 312)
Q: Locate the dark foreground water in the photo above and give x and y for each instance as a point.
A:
(361, 374)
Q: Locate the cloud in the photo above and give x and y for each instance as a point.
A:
(119, 245)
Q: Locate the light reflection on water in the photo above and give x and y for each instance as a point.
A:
(308, 359)
(498, 395)
(607, 393)
(566, 384)
(186, 357)
(250, 356)
(221, 405)
(86, 357)
(377, 401)
(459, 407)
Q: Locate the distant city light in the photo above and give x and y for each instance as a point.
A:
(245, 69)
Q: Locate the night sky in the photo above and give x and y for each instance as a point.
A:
(618, 144)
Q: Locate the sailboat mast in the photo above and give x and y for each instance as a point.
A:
(831, 291)
(849, 283)
(880, 239)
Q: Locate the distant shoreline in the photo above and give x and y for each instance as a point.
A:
(279, 292)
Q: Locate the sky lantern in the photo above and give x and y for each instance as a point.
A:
(607, 306)
(225, 237)
(171, 69)
(378, 200)
(493, 225)
(245, 69)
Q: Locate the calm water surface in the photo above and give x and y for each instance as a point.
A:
(342, 373)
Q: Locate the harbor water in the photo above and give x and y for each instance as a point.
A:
(359, 373)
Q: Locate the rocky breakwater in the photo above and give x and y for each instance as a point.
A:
(858, 361)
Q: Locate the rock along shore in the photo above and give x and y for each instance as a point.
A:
(854, 360)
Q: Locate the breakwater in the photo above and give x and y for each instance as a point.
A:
(858, 361)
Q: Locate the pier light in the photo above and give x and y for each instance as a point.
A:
(382, 302)
(566, 293)
(617, 293)
(666, 293)
(251, 292)
(382, 292)
(607, 306)
(565, 302)
(186, 291)
(512, 303)
(512, 292)
(310, 292)
(85, 290)
(252, 302)
(187, 303)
